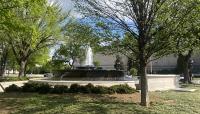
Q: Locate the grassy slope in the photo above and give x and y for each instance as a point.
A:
(162, 103)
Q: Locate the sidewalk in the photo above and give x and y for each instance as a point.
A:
(3, 85)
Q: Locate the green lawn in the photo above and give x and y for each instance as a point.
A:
(10, 78)
(168, 102)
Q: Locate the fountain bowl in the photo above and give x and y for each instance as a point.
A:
(91, 74)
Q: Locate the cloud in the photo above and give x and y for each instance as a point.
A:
(67, 5)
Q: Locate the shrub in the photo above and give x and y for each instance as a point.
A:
(87, 88)
(123, 89)
(100, 90)
(133, 71)
(30, 87)
(96, 63)
(12, 88)
(44, 88)
(36, 87)
(59, 89)
(74, 88)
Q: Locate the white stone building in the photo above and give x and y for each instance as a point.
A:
(162, 65)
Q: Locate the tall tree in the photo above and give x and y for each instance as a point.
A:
(38, 59)
(5, 7)
(36, 25)
(4, 49)
(143, 20)
(77, 37)
(187, 41)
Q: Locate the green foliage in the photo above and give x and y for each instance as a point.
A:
(41, 58)
(35, 25)
(165, 102)
(7, 79)
(30, 87)
(12, 88)
(44, 88)
(76, 38)
(59, 89)
(74, 88)
(133, 71)
(36, 87)
(123, 89)
(100, 90)
(96, 63)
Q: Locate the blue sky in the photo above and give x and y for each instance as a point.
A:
(67, 5)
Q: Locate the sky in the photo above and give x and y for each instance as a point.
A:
(67, 5)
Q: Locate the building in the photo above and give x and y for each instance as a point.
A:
(164, 65)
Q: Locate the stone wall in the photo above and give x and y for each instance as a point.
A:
(162, 82)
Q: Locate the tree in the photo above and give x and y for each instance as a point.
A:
(36, 25)
(5, 7)
(187, 41)
(143, 20)
(38, 59)
(77, 37)
(4, 48)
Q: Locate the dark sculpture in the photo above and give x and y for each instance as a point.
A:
(119, 65)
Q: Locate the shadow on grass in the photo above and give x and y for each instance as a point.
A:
(28, 103)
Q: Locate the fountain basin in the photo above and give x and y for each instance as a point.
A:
(91, 75)
(85, 67)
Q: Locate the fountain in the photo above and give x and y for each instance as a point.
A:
(88, 63)
(89, 72)
(89, 57)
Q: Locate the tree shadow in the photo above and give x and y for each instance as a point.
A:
(27, 103)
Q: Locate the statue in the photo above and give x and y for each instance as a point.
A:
(119, 65)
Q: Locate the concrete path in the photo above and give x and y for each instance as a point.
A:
(184, 90)
(3, 85)
(196, 81)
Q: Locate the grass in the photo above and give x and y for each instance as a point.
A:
(167, 102)
(7, 79)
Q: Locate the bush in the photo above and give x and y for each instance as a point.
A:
(59, 89)
(88, 88)
(133, 72)
(96, 63)
(36, 87)
(30, 87)
(12, 88)
(74, 88)
(100, 90)
(123, 89)
(44, 88)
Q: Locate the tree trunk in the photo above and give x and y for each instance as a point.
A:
(142, 69)
(3, 62)
(143, 83)
(22, 68)
(186, 72)
(186, 69)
